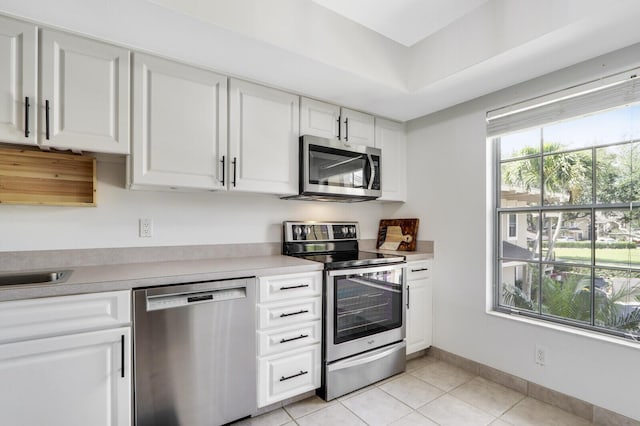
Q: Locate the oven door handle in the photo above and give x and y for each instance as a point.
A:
(377, 268)
(367, 357)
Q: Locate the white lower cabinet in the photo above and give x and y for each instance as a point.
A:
(419, 306)
(57, 375)
(289, 335)
(288, 374)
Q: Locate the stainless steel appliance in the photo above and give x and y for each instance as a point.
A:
(364, 313)
(195, 353)
(331, 171)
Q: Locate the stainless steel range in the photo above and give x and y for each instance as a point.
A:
(364, 313)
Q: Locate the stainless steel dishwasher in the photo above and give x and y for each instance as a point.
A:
(195, 353)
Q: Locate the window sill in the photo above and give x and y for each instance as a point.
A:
(567, 329)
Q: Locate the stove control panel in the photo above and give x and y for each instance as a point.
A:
(320, 231)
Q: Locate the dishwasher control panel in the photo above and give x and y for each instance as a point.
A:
(167, 301)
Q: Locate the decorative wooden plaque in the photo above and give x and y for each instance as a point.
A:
(398, 234)
(56, 179)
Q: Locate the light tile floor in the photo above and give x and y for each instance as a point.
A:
(430, 392)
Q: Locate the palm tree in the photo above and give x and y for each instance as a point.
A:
(562, 175)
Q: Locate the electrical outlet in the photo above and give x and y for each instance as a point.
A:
(146, 227)
(541, 355)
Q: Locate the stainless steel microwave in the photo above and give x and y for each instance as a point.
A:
(332, 171)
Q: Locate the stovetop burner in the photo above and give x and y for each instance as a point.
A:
(341, 260)
(335, 244)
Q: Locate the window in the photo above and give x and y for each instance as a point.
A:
(568, 208)
(513, 226)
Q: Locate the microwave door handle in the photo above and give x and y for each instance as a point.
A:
(373, 171)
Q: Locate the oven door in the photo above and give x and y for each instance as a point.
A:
(329, 168)
(364, 309)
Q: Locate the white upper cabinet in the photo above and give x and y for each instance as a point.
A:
(18, 73)
(179, 126)
(84, 97)
(392, 140)
(319, 119)
(332, 122)
(264, 128)
(357, 128)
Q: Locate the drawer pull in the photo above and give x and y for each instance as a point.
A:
(301, 373)
(420, 270)
(291, 287)
(302, 311)
(302, 336)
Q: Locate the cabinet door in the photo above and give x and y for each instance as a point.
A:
(263, 139)
(391, 139)
(418, 316)
(357, 128)
(73, 380)
(179, 125)
(18, 59)
(86, 85)
(319, 119)
(288, 374)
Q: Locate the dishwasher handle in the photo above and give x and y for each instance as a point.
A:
(177, 300)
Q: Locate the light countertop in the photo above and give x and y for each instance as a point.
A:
(90, 279)
(107, 269)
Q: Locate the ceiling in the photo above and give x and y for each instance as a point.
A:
(400, 59)
(403, 21)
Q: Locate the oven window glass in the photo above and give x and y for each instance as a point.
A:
(366, 304)
(335, 167)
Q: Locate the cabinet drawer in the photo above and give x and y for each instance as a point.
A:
(282, 287)
(284, 339)
(289, 313)
(51, 316)
(288, 375)
(418, 270)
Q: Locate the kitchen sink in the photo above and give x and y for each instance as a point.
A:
(42, 277)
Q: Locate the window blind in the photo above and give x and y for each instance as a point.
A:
(606, 93)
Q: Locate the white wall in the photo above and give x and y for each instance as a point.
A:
(449, 182)
(179, 218)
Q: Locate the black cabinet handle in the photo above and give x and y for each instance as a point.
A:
(346, 129)
(301, 373)
(408, 296)
(302, 336)
(302, 311)
(419, 269)
(193, 299)
(222, 161)
(122, 354)
(46, 118)
(235, 163)
(291, 287)
(339, 127)
(26, 116)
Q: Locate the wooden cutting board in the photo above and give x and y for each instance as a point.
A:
(398, 234)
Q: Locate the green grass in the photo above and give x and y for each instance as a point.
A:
(609, 256)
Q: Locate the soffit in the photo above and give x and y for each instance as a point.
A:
(301, 46)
